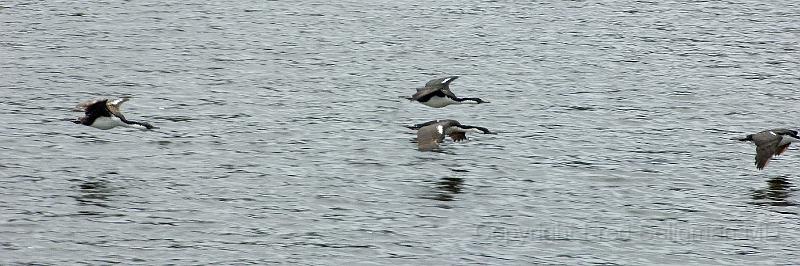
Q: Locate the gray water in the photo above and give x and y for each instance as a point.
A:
(281, 137)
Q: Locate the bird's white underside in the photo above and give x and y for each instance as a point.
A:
(439, 102)
(105, 122)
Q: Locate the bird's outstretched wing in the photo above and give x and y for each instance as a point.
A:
(441, 82)
(782, 131)
(82, 106)
(458, 136)
(96, 108)
(434, 86)
(767, 143)
(418, 126)
(422, 92)
(114, 107)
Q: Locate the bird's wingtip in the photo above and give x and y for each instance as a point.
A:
(120, 100)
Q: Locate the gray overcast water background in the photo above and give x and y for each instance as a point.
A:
(281, 137)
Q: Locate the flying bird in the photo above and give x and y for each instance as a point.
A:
(437, 94)
(105, 114)
(431, 133)
(770, 143)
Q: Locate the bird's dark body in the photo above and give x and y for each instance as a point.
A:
(94, 111)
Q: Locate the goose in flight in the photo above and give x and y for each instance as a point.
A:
(431, 133)
(770, 143)
(105, 114)
(437, 94)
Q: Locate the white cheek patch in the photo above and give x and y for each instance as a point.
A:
(446, 80)
(773, 133)
(440, 128)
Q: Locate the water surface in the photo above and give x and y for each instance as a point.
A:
(281, 137)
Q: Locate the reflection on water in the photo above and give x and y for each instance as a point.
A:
(776, 193)
(447, 187)
(611, 118)
(94, 191)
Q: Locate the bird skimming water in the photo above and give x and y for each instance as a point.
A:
(437, 94)
(105, 114)
(431, 133)
(770, 143)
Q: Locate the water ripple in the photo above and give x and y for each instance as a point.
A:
(280, 133)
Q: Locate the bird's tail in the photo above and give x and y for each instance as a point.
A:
(748, 138)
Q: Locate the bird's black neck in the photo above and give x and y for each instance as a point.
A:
(482, 129)
(129, 122)
(477, 100)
